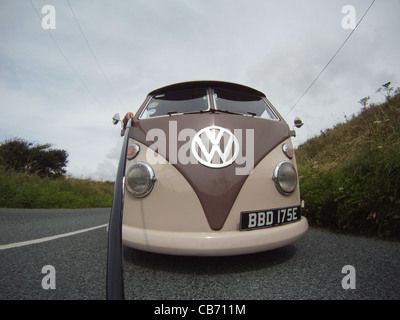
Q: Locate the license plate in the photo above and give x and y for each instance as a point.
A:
(250, 220)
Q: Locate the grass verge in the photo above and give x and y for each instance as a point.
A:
(21, 190)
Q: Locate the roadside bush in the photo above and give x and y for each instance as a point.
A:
(22, 156)
(361, 196)
(350, 175)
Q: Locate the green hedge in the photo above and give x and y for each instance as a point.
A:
(360, 196)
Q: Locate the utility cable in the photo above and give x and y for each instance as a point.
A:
(67, 60)
(337, 51)
(93, 54)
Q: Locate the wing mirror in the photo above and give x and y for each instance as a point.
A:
(298, 123)
(116, 118)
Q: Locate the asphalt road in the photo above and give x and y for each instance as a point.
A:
(311, 268)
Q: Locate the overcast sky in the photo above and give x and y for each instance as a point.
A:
(56, 92)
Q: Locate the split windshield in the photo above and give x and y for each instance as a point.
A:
(198, 101)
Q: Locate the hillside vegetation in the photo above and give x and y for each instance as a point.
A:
(350, 174)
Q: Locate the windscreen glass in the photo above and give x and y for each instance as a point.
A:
(243, 103)
(176, 102)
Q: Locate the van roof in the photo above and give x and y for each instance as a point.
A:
(208, 84)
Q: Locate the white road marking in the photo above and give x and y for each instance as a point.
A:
(57, 236)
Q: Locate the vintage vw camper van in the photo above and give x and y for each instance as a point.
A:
(209, 171)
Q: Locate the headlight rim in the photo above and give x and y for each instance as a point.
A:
(152, 178)
(277, 182)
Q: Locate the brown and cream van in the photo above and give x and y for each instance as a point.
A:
(209, 171)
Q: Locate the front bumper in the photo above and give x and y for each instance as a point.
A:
(218, 243)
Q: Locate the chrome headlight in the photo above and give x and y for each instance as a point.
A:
(140, 179)
(285, 177)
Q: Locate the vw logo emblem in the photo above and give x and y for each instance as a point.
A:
(215, 147)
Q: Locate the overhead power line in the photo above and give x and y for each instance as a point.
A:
(66, 59)
(93, 54)
(329, 62)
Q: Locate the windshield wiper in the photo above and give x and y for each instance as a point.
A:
(170, 113)
(229, 112)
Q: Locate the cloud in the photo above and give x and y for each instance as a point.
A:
(59, 95)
